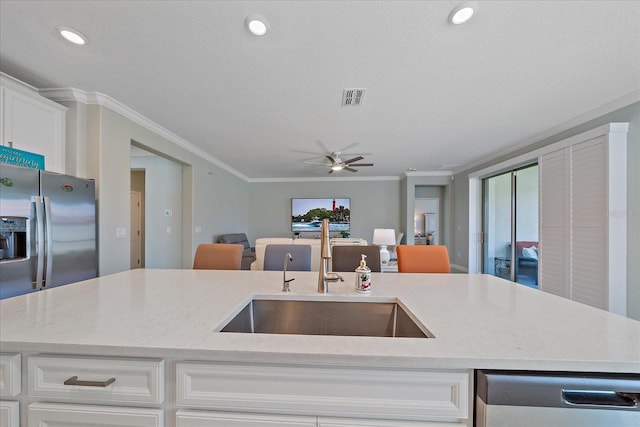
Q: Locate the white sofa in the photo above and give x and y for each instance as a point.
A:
(261, 245)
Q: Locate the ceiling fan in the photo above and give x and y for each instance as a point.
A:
(335, 162)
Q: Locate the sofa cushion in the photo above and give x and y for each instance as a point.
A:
(520, 245)
(531, 252)
(235, 238)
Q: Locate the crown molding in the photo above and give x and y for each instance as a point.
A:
(14, 83)
(607, 108)
(26, 89)
(428, 173)
(97, 98)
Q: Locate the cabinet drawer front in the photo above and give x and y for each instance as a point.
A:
(57, 414)
(10, 374)
(97, 380)
(350, 422)
(400, 394)
(9, 414)
(185, 418)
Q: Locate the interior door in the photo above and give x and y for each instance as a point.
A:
(136, 227)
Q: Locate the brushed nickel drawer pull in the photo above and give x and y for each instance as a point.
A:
(75, 381)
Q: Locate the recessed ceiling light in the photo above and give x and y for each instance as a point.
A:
(257, 25)
(463, 12)
(71, 35)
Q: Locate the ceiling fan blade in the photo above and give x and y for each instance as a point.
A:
(346, 148)
(333, 162)
(355, 159)
(361, 164)
(317, 153)
(323, 147)
(350, 169)
(307, 159)
(316, 163)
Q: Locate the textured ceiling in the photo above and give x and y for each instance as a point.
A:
(437, 94)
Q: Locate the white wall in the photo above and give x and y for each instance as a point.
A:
(163, 192)
(213, 200)
(374, 204)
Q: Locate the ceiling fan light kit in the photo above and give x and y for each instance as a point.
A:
(337, 164)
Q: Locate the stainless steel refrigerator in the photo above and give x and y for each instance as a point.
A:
(47, 230)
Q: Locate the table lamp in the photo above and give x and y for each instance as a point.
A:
(384, 237)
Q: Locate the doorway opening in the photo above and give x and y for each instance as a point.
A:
(510, 224)
(427, 221)
(137, 219)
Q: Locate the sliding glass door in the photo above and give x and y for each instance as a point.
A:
(510, 225)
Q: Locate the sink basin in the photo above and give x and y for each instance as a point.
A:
(344, 318)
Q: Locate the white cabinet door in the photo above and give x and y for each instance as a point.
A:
(350, 422)
(58, 415)
(9, 414)
(33, 123)
(401, 394)
(186, 418)
(10, 374)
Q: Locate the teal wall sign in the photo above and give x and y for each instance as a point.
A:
(13, 156)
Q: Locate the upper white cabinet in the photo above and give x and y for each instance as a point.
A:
(31, 122)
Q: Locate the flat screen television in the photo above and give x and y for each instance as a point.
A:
(307, 214)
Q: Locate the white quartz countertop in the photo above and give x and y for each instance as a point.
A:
(478, 322)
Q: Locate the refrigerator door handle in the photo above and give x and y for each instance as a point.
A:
(49, 231)
(39, 240)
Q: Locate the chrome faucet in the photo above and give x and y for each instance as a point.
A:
(285, 282)
(324, 275)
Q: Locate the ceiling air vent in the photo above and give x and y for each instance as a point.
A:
(352, 97)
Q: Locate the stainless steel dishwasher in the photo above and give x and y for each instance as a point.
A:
(556, 399)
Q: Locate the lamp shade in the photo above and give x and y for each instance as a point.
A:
(384, 236)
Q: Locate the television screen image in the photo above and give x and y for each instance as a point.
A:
(307, 214)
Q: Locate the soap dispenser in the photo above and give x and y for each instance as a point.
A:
(363, 277)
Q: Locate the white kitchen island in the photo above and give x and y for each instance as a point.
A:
(154, 332)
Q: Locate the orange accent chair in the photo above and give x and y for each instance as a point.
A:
(423, 259)
(218, 256)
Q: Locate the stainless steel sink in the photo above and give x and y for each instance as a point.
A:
(371, 319)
